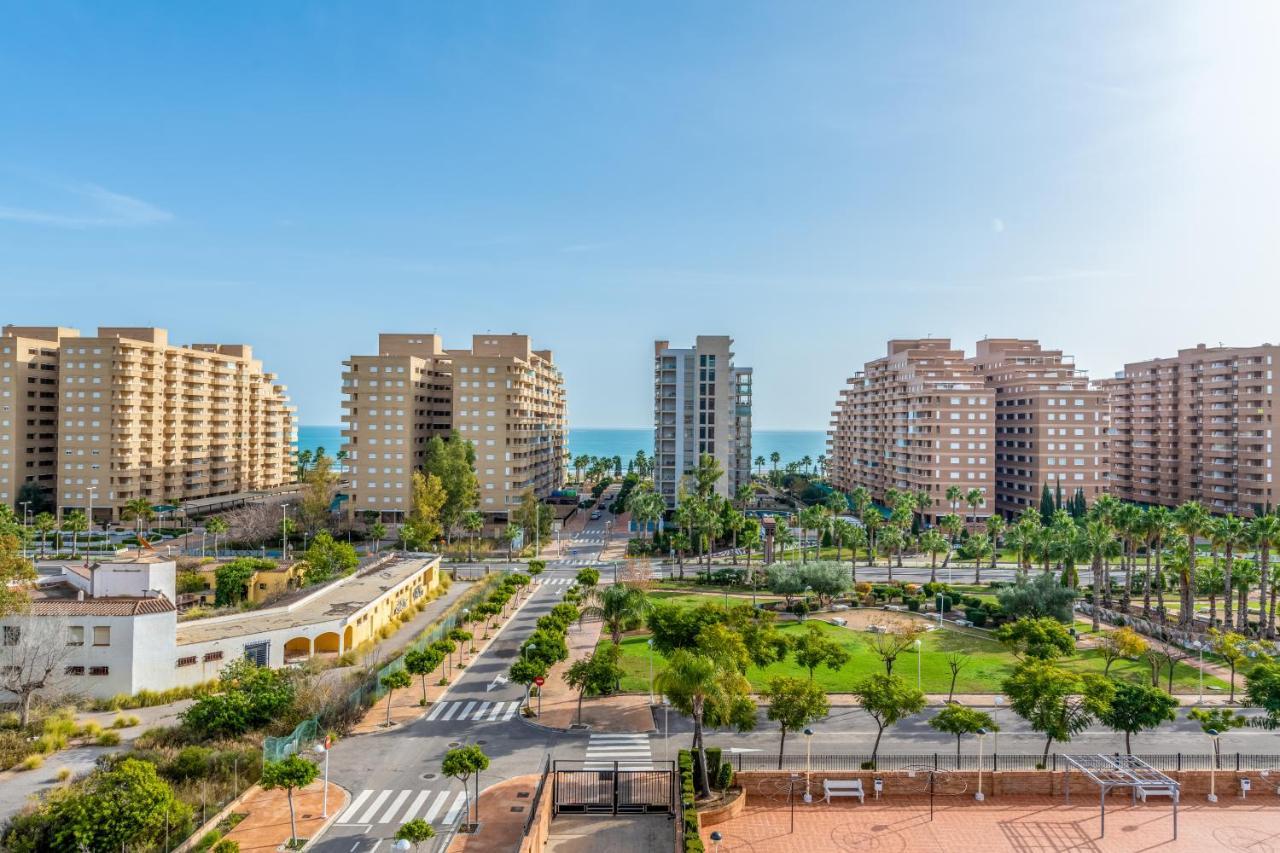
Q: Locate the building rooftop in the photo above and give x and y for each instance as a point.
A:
(334, 601)
(63, 599)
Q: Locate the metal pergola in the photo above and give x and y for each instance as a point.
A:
(1109, 772)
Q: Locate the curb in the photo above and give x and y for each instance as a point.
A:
(334, 814)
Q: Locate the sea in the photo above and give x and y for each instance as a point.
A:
(792, 445)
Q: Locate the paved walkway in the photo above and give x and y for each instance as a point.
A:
(503, 810)
(407, 703)
(627, 713)
(621, 834)
(1018, 825)
(266, 824)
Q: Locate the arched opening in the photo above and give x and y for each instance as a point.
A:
(299, 648)
(329, 643)
(348, 638)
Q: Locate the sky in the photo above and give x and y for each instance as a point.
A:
(812, 179)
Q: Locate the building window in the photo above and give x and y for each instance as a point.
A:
(12, 634)
(187, 661)
(74, 670)
(75, 635)
(101, 635)
(99, 670)
(209, 656)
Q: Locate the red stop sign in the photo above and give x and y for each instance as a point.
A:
(539, 681)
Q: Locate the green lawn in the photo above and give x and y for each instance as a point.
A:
(989, 663)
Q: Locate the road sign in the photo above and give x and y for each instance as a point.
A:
(539, 681)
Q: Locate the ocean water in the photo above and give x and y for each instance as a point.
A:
(794, 445)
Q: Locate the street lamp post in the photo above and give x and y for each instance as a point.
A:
(982, 735)
(89, 536)
(808, 742)
(1199, 647)
(284, 532)
(650, 644)
(26, 526)
(1213, 768)
(323, 749)
(995, 718)
(919, 664)
(716, 838)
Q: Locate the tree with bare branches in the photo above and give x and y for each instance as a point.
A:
(33, 650)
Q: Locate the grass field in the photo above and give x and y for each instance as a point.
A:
(989, 663)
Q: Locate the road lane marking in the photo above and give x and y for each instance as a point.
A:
(390, 813)
(367, 817)
(355, 805)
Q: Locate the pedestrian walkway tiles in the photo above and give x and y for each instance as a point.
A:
(391, 806)
(473, 712)
(630, 751)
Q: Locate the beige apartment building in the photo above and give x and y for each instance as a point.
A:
(502, 395)
(702, 405)
(919, 419)
(143, 418)
(1197, 426)
(1051, 427)
(125, 414)
(29, 415)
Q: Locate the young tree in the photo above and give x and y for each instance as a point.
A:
(1234, 649)
(1121, 643)
(1055, 701)
(827, 579)
(618, 606)
(320, 485)
(328, 558)
(711, 692)
(956, 661)
(587, 579)
(1040, 639)
(893, 642)
(463, 763)
(452, 461)
(216, 527)
(959, 720)
(1137, 708)
(597, 674)
(794, 704)
(1262, 689)
(415, 832)
(473, 523)
(16, 574)
(427, 499)
(812, 648)
(32, 654)
(290, 773)
(1220, 720)
(422, 662)
(391, 682)
(887, 699)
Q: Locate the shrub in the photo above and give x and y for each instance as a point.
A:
(226, 845)
(191, 762)
(34, 761)
(713, 761)
(976, 615)
(868, 765)
(724, 777)
(109, 739)
(91, 729)
(64, 773)
(913, 604)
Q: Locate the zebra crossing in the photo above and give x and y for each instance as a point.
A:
(475, 711)
(630, 751)
(556, 581)
(372, 807)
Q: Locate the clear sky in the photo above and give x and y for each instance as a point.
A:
(810, 178)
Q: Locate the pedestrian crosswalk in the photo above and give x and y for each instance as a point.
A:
(474, 712)
(556, 581)
(398, 807)
(630, 751)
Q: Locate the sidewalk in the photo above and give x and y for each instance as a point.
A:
(405, 703)
(504, 808)
(266, 823)
(624, 714)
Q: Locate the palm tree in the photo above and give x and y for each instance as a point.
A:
(1159, 529)
(1101, 542)
(511, 533)
(1208, 580)
(1228, 532)
(951, 524)
(1264, 533)
(889, 542)
(775, 457)
(996, 527)
(954, 496)
(822, 464)
(873, 522)
(807, 462)
(974, 499)
(1246, 574)
(618, 606)
(693, 682)
(473, 523)
(46, 524)
(934, 543)
(841, 533)
(1191, 520)
(759, 466)
(1129, 525)
(811, 518)
(75, 523)
(138, 509)
(646, 507)
(978, 548)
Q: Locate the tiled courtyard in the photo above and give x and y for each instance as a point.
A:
(1021, 824)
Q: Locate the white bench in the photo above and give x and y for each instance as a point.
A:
(843, 788)
(1157, 791)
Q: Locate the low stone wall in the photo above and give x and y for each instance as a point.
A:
(1194, 783)
(723, 813)
(541, 829)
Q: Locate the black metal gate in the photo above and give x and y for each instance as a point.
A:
(576, 790)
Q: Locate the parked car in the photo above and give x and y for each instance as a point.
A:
(595, 516)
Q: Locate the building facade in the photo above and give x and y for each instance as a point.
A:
(919, 419)
(29, 416)
(502, 395)
(1197, 426)
(1051, 426)
(702, 405)
(137, 417)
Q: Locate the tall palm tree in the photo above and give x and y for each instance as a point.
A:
(1101, 541)
(759, 466)
(996, 527)
(139, 510)
(811, 518)
(1264, 533)
(889, 541)
(1159, 530)
(1228, 532)
(951, 524)
(775, 457)
(1191, 520)
(873, 522)
(954, 495)
(822, 464)
(473, 523)
(978, 548)
(974, 499)
(1246, 574)
(698, 685)
(1129, 525)
(46, 524)
(617, 606)
(1208, 582)
(841, 534)
(933, 543)
(75, 523)
(807, 462)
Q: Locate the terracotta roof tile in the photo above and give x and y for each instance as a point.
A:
(114, 606)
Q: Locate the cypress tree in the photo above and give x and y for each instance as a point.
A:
(1046, 505)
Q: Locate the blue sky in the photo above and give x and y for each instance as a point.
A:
(810, 178)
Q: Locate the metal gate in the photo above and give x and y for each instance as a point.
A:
(613, 791)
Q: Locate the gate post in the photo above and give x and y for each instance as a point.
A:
(615, 788)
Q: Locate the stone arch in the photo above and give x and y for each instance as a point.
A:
(328, 643)
(348, 637)
(298, 648)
